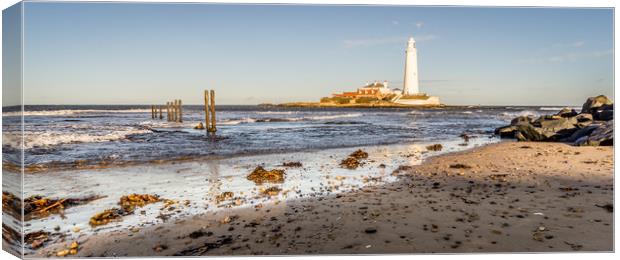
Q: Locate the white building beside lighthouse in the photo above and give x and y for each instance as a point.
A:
(411, 83)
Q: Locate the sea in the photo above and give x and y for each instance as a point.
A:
(61, 136)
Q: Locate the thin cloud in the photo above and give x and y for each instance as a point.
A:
(576, 44)
(419, 25)
(569, 57)
(394, 22)
(386, 40)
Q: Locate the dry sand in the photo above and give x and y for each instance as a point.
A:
(506, 197)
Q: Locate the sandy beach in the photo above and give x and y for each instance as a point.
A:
(504, 197)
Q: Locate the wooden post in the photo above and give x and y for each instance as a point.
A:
(161, 116)
(168, 111)
(152, 113)
(180, 111)
(173, 106)
(207, 123)
(213, 128)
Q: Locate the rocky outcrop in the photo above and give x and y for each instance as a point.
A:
(593, 126)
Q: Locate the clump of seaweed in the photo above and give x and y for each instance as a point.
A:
(353, 161)
(350, 163)
(434, 147)
(36, 239)
(271, 191)
(359, 154)
(260, 175)
(11, 204)
(38, 206)
(224, 196)
(106, 217)
(459, 166)
(128, 205)
(131, 201)
(292, 164)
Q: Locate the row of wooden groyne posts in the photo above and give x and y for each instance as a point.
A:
(174, 111)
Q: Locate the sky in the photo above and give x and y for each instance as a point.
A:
(136, 53)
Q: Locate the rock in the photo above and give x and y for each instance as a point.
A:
(602, 135)
(199, 126)
(567, 112)
(521, 120)
(370, 230)
(593, 103)
(531, 133)
(591, 127)
(581, 133)
(604, 115)
(583, 120)
(506, 131)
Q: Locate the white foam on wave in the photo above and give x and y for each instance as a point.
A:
(72, 112)
(46, 139)
(511, 115)
(557, 108)
(237, 121)
(276, 112)
(333, 116)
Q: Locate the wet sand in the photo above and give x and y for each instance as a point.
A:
(506, 197)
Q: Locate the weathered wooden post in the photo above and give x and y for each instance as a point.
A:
(152, 113)
(169, 111)
(173, 105)
(161, 116)
(213, 128)
(180, 111)
(207, 122)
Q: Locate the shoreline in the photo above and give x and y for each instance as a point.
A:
(78, 166)
(491, 199)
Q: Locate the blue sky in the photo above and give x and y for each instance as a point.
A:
(149, 53)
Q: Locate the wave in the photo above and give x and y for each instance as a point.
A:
(73, 112)
(47, 139)
(276, 112)
(246, 120)
(237, 121)
(333, 116)
(511, 115)
(557, 108)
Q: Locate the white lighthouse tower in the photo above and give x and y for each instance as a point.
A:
(411, 69)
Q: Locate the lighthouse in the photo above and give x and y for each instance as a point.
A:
(411, 69)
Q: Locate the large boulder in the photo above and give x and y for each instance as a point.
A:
(585, 131)
(594, 103)
(603, 134)
(584, 120)
(567, 112)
